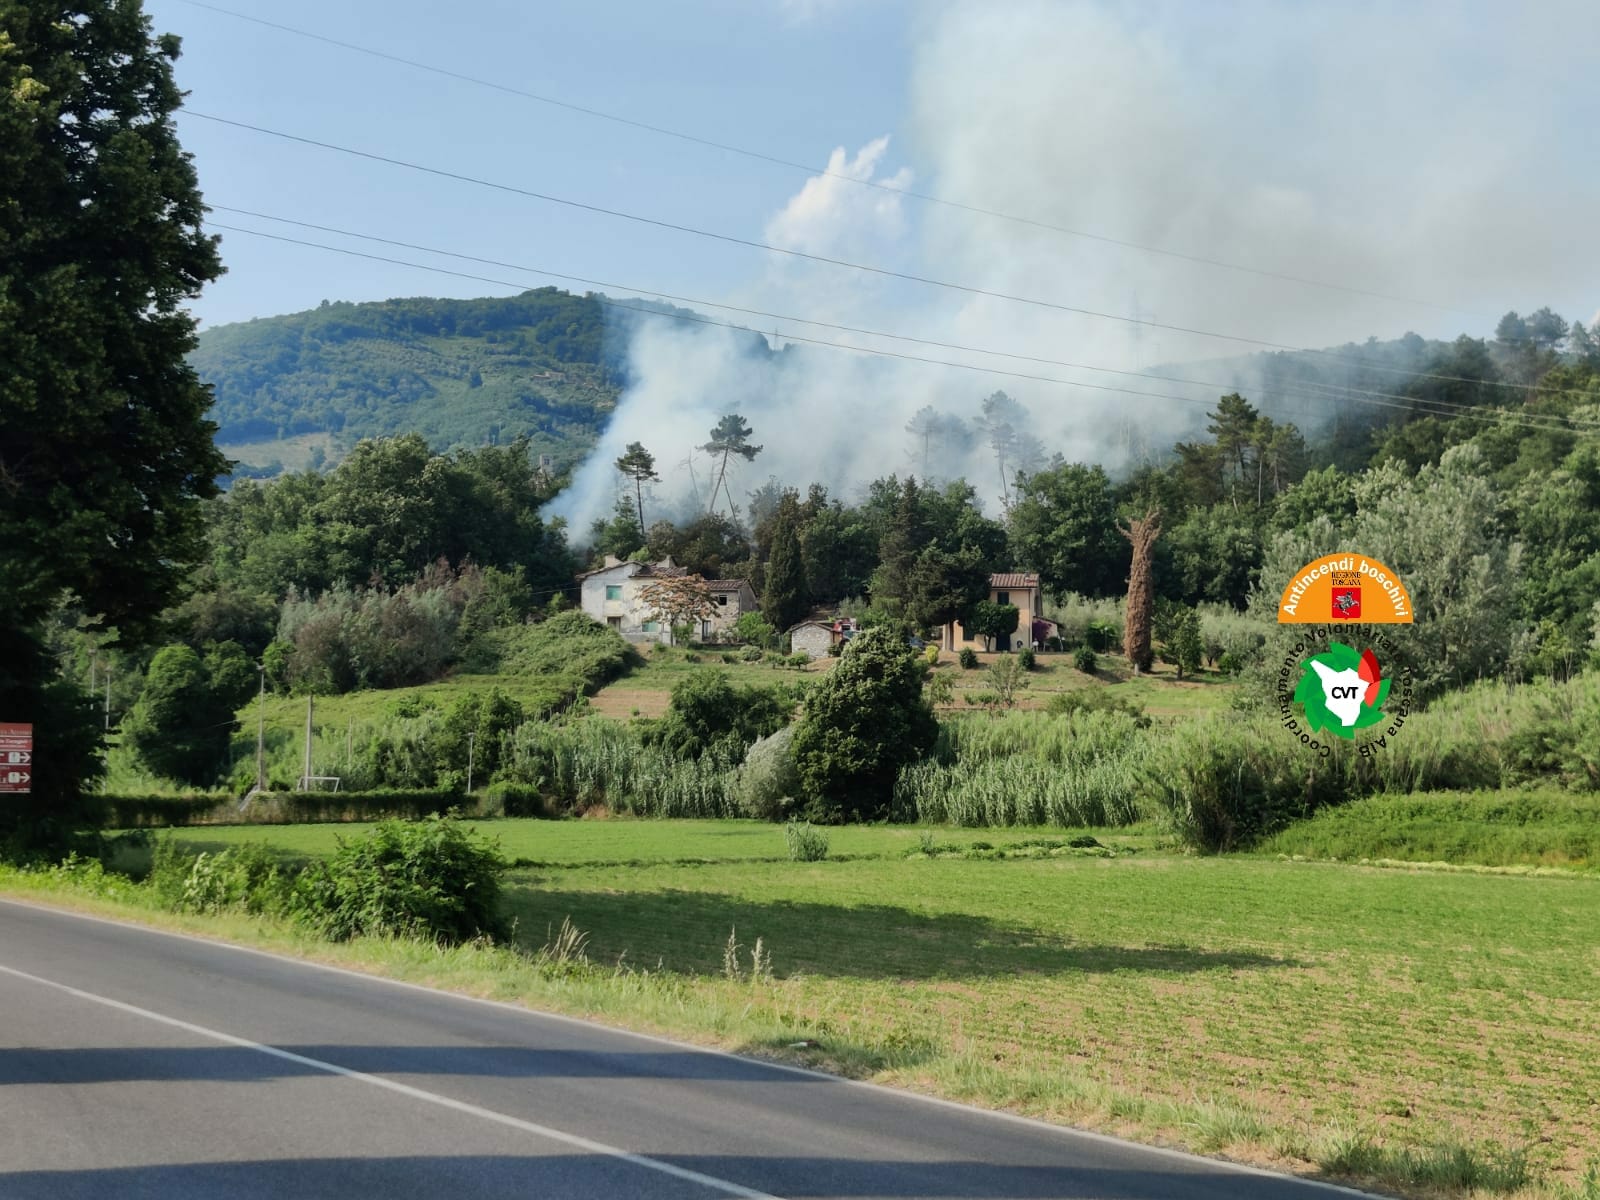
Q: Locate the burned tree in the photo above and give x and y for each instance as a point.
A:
(1141, 533)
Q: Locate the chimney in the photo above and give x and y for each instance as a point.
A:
(611, 561)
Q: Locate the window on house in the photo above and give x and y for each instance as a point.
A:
(613, 591)
(722, 601)
(614, 622)
(1005, 598)
(652, 626)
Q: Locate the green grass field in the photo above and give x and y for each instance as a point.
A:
(661, 842)
(1534, 827)
(1314, 1016)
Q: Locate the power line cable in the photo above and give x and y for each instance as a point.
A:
(1409, 403)
(886, 272)
(761, 156)
(1492, 415)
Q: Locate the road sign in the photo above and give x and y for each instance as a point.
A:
(16, 758)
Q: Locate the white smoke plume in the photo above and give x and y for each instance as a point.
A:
(1424, 152)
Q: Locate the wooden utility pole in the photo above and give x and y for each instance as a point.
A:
(471, 738)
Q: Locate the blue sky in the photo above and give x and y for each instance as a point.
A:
(1415, 154)
(1434, 161)
(794, 81)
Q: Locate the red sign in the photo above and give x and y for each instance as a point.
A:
(1346, 603)
(16, 758)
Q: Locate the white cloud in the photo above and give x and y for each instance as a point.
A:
(833, 216)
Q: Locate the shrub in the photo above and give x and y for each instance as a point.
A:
(241, 878)
(863, 720)
(968, 658)
(931, 655)
(1230, 663)
(767, 786)
(180, 726)
(1025, 659)
(429, 878)
(754, 630)
(806, 842)
(1222, 785)
(1067, 704)
(1006, 678)
(1083, 658)
(706, 709)
(1102, 635)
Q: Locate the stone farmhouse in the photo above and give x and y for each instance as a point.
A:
(611, 594)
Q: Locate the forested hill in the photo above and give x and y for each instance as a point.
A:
(299, 390)
(546, 364)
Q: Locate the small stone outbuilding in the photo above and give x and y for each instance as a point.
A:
(812, 638)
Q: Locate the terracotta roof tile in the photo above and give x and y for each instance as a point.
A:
(1014, 580)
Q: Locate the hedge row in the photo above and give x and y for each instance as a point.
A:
(281, 808)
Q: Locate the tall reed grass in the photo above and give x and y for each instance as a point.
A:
(584, 763)
(1028, 769)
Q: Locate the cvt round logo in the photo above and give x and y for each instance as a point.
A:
(1341, 691)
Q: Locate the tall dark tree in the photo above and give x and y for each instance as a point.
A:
(105, 448)
(785, 599)
(905, 534)
(639, 465)
(731, 436)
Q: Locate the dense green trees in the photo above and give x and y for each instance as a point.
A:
(105, 446)
(1064, 526)
(387, 512)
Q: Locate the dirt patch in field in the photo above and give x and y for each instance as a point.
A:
(622, 703)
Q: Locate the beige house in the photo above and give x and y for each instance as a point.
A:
(1015, 588)
(733, 598)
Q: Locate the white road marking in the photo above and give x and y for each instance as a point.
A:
(405, 1089)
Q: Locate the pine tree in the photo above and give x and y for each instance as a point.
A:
(731, 436)
(639, 465)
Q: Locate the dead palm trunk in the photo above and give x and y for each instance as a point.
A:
(1141, 534)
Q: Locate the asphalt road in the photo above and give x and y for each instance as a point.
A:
(141, 1064)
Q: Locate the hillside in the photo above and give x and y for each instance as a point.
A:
(299, 390)
(460, 372)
